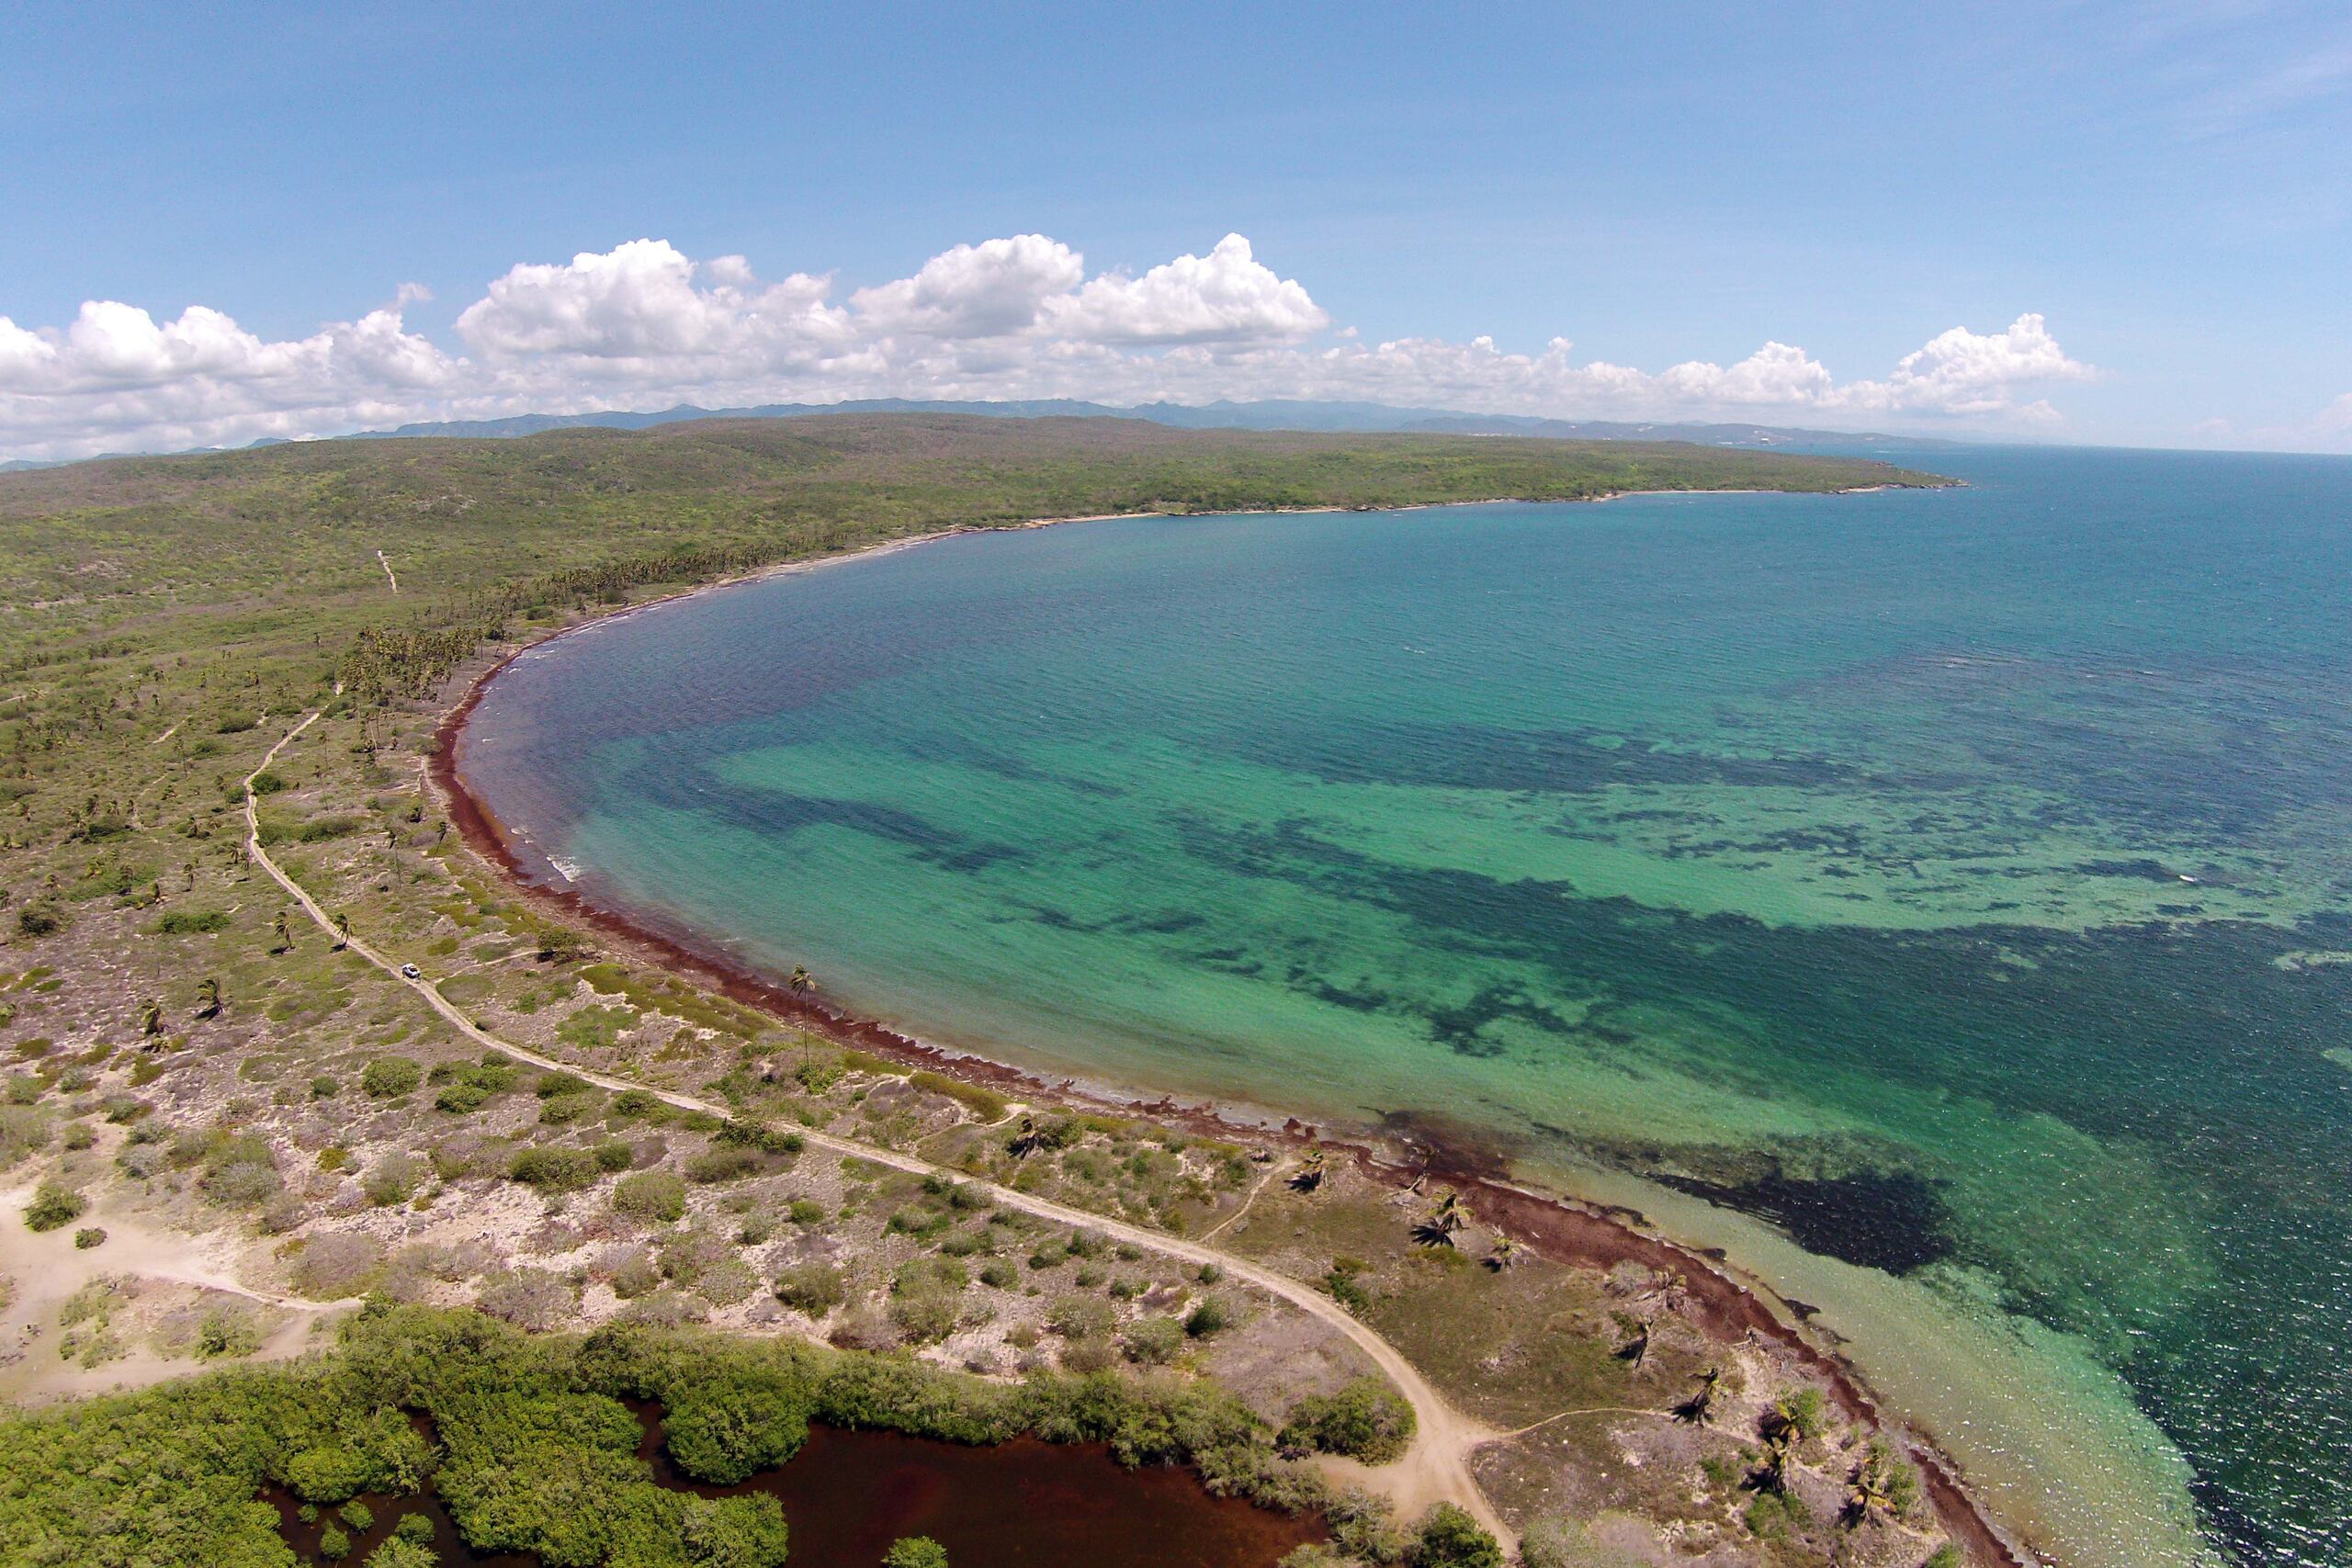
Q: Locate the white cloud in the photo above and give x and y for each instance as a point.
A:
(116, 380)
(1227, 296)
(644, 326)
(991, 289)
(1960, 372)
(639, 302)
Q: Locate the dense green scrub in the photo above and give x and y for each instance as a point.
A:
(531, 1446)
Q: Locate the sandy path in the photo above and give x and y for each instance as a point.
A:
(1435, 1468)
(48, 1268)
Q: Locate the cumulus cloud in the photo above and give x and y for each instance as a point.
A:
(1962, 372)
(118, 380)
(644, 326)
(1227, 296)
(986, 290)
(639, 301)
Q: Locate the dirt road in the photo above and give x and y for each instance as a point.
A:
(1435, 1468)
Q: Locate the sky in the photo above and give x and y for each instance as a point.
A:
(2090, 223)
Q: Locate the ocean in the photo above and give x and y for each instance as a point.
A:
(1941, 900)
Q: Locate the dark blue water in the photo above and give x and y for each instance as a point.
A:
(1940, 898)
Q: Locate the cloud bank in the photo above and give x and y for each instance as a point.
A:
(643, 325)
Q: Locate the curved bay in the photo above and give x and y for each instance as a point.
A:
(1925, 895)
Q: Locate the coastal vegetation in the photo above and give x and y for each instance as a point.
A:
(531, 1443)
(221, 1090)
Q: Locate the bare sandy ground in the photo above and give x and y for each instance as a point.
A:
(161, 1271)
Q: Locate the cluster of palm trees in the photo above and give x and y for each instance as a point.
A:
(1442, 1226)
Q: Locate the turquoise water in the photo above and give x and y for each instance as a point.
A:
(1933, 896)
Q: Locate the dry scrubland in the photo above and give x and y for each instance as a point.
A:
(222, 1130)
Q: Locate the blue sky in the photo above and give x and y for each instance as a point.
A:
(2168, 187)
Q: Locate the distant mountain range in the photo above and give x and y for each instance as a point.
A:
(1269, 414)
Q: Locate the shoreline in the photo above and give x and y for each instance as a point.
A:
(1568, 1229)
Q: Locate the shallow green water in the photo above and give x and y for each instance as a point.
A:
(1941, 882)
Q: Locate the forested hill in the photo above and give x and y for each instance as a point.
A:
(452, 510)
(415, 552)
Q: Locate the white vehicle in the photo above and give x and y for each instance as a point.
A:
(411, 971)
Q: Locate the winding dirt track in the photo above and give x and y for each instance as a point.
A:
(1435, 1468)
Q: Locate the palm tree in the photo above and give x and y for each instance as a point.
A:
(1780, 1456)
(1028, 1141)
(1636, 1350)
(285, 932)
(151, 1018)
(1872, 1488)
(1505, 1254)
(343, 931)
(801, 983)
(1310, 1171)
(207, 997)
(1450, 1215)
(1700, 1408)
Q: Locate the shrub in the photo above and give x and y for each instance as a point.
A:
(723, 1163)
(1087, 1357)
(613, 1156)
(1080, 1317)
(333, 1545)
(52, 1206)
(226, 1333)
(415, 1528)
(915, 1551)
(721, 1428)
(336, 1265)
(89, 1237)
(636, 1277)
(986, 1104)
(812, 1288)
(566, 1108)
(388, 1078)
(552, 1085)
(357, 1514)
(1808, 1411)
(1212, 1317)
(553, 1171)
(1450, 1537)
(394, 1180)
(1777, 1516)
(655, 1195)
(191, 922)
(1366, 1420)
(461, 1098)
(528, 1298)
(1153, 1341)
(239, 1172)
(641, 1104)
